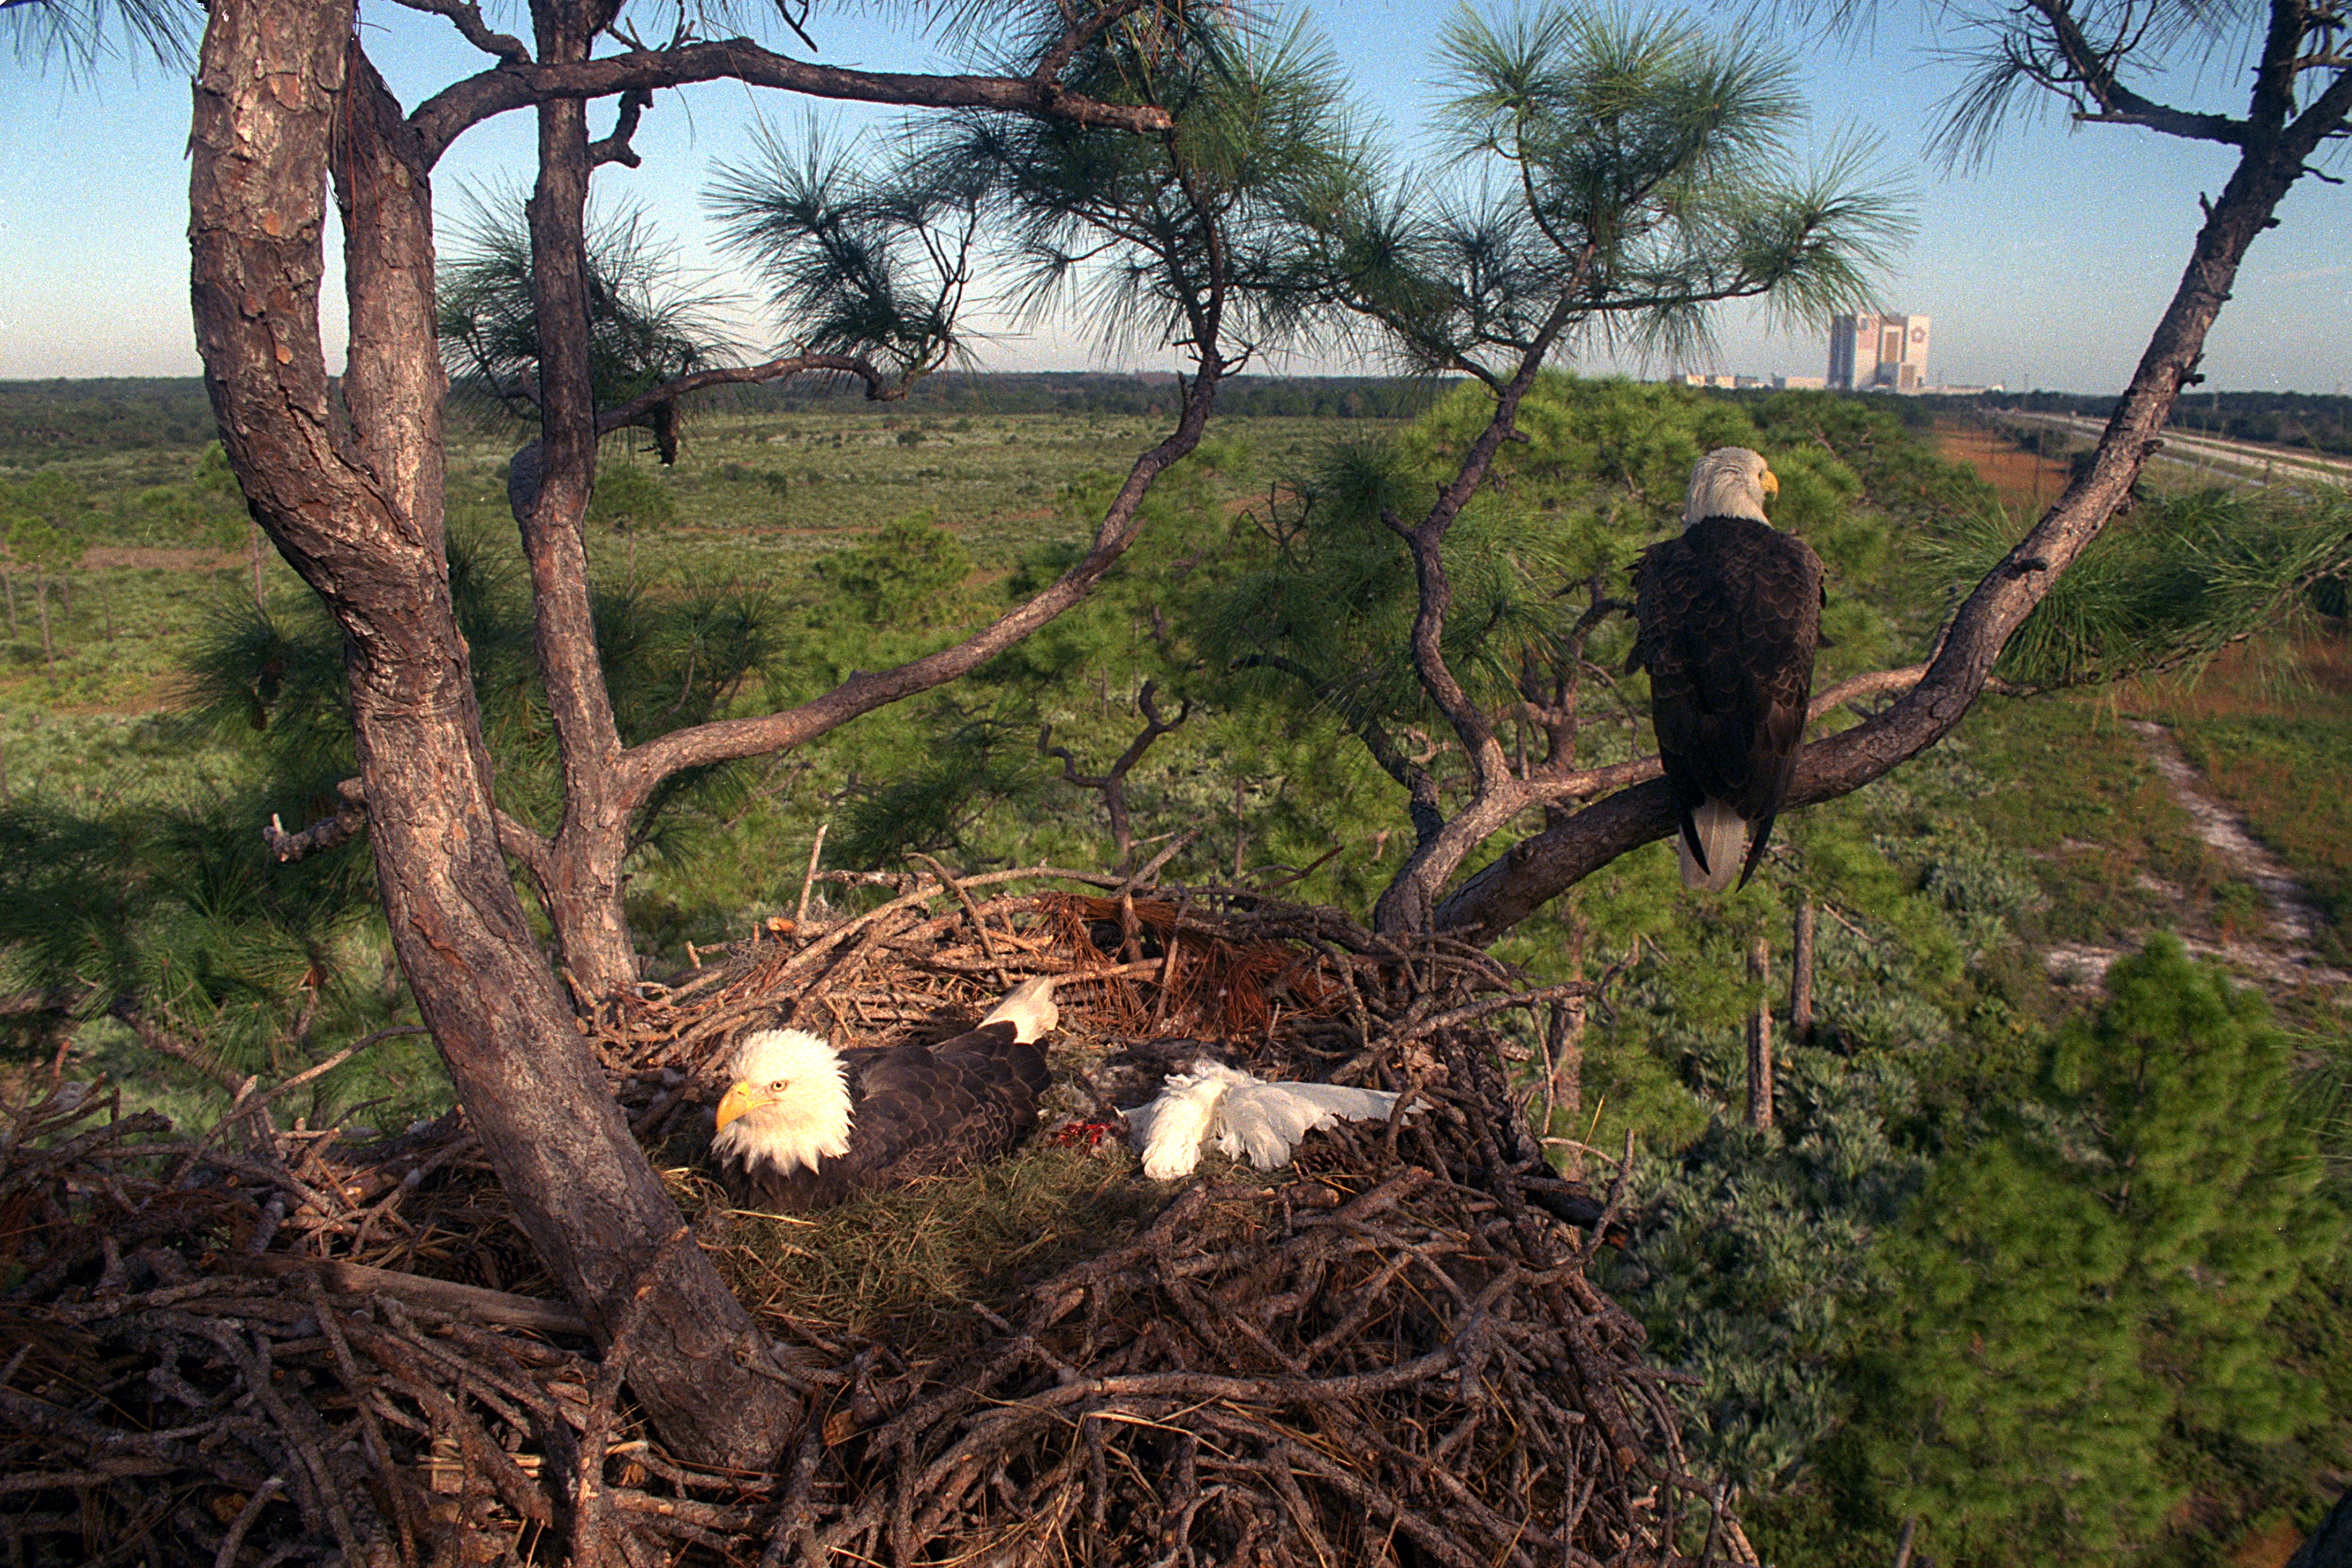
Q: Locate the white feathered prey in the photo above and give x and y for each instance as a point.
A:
(1242, 1115)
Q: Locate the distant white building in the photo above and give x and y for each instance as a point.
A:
(1800, 383)
(1878, 354)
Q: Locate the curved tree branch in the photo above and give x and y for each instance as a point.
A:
(2094, 71)
(1056, 60)
(1112, 786)
(1499, 794)
(642, 768)
(447, 114)
(878, 386)
(467, 17)
(616, 148)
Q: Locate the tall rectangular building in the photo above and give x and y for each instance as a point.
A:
(1878, 354)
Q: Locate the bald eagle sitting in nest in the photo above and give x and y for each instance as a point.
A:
(1240, 1115)
(803, 1126)
(1730, 614)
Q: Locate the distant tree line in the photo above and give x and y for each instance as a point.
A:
(44, 420)
(41, 421)
(1143, 395)
(2320, 422)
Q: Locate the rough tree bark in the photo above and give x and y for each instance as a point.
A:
(2275, 147)
(583, 889)
(279, 82)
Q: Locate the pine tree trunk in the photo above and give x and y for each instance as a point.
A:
(584, 892)
(1759, 1037)
(583, 875)
(1801, 975)
(8, 580)
(358, 518)
(49, 652)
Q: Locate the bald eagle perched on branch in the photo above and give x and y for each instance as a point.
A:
(803, 1126)
(1729, 614)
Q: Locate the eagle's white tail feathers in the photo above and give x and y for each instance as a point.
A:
(1245, 1117)
(1724, 833)
(1029, 1007)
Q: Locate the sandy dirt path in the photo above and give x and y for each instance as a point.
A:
(2286, 958)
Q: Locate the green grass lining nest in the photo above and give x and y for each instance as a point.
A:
(904, 1267)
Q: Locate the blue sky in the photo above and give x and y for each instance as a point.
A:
(2046, 267)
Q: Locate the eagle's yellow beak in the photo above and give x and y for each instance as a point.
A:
(739, 1099)
(1770, 481)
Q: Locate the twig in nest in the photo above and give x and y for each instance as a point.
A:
(987, 942)
(808, 878)
(1492, 1005)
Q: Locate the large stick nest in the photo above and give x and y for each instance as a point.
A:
(265, 1346)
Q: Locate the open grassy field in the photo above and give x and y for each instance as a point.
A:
(2026, 481)
(756, 499)
(96, 724)
(778, 487)
(2003, 450)
(2269, 723)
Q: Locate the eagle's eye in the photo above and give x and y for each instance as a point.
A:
(781, 1085)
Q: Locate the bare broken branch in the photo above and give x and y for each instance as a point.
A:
(348, 823)
(1113, 785)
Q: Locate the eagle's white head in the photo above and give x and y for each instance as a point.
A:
(789, 1102)
(1730, 481)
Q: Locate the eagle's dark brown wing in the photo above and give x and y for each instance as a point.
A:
(1729, 616)
(915, 1110)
